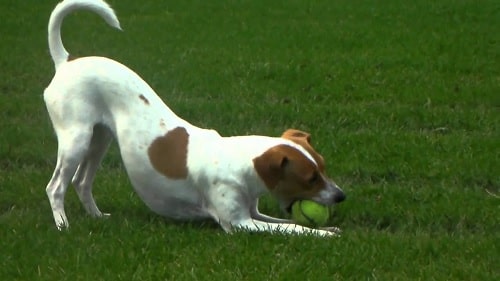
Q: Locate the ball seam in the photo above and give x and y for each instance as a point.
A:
(308, 218)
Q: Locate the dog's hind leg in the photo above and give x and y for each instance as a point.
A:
(72, 146)
(85, 174)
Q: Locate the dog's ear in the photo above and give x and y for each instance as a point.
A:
(271, 165)
(304, 139)
(283, 163)
(296, 135)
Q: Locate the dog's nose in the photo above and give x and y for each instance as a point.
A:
(339, 196)
(338, 193)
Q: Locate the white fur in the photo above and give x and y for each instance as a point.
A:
(93, 100)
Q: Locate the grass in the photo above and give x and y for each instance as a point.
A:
(402, 99)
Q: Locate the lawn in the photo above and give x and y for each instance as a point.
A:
(402, 98)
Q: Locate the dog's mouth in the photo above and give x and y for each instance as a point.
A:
(288, 208)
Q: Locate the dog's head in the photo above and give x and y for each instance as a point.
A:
(295, 171)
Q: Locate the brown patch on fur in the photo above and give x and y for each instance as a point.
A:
(304, 139)
(144, 99)
(168, 154)
(289, 174)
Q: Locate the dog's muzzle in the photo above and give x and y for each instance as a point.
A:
(331, 194)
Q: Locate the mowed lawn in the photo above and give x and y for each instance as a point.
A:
(402, 98)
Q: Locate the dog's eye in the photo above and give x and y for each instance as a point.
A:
(314, 178)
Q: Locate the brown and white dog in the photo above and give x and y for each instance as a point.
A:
(180, 171)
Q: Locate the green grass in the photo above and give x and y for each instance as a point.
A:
(402, 98)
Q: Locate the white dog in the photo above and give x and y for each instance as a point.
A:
(180, 171)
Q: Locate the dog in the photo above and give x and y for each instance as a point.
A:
(180, 171)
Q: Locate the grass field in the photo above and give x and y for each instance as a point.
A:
(401, 97)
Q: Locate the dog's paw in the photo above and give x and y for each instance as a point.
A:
(61, 226)
(332, 229)
(100, 215)
(61, 222)
(324, 231)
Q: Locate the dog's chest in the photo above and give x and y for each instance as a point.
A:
(176, 199)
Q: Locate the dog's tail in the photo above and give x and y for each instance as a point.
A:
(56, 47)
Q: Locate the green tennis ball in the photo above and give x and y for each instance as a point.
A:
(310, 213)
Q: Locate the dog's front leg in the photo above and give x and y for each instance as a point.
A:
(254, 212)
(286, 228)
(233, 211)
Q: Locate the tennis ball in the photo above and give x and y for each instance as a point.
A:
(310, 213)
